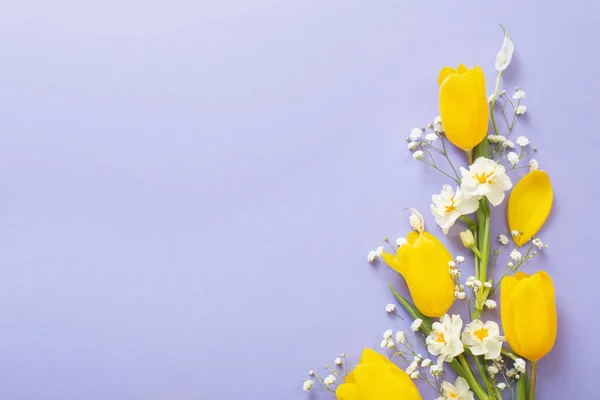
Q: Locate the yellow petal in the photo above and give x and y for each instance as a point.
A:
(347, 391)
(463, 106)
(444, 74)
(529, 205)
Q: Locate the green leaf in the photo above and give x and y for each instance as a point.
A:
(482, 149)
(412, 310)
(522, 387)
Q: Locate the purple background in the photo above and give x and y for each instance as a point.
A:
(188, 190)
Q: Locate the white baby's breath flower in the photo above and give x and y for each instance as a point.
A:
(483, 338)
(505, 54)
(461, 295)
(521, 110)
(501, 385)
(533, 165)
(415, 133)
(451, 264)
(447, 206)
(487, 178)
(522, 141)
(436, 370)
(444, 339)
(496, 138)
(337, 361)
(513, 158)
(390, 308)
(311, 372)
(414, 375)
(431, 137)
(515, 255)
(379, 251)
(308, 384)
(437, 125)
(384, 343)
(401, 241)
(329, 380)
(416, 325)
(426, 363)
(411, 368)
(489, 303)
(413, 145)
(507, 144)
(520, 365)
(519, 94)
(400, 337)
(418, 155)
(458, 391)
(416, 220)
(514, 233)
(372, 256)
(388, 334)
(503, 239)
(487, 284)
(538, 243)
(460, 259)
(492, 370)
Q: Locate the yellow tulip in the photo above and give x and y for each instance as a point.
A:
(528, 314)
(377, 378)
(529, 205)
(463, 105)
(423, 262)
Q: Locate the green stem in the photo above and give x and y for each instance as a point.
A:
(483, 242)
(533, 380)
(470, 223)
(484, 377)
(477, 252)
(471, 379)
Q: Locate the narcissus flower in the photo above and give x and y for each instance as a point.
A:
(528, 313)
(463, 105)
(376, 378)
(458, 391)
(529, 205)
(483, 339)
(448, 206)
(423, 262)
(487, 178)
(444, 339)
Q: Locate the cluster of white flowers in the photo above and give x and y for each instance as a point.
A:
(327, 382)
(374, 255)
(460, 390)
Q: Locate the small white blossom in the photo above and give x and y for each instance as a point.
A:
(372, 256)
(491, 98)
(505, 54)
(311, 372)
(462, 295)
(487, 285)
(387, 334)
(384, 343)
(493, 370)
(496, 138)
(418, 155)
(431, 137)
(520, 365)
(486, 178)
(308, 384)
(337, 361)
(489, 303)
(418, 358)
(411, 368)
(379, 251)
(538, 243)
(415, 133)
(413, 145)
(522, 141)
(533, 165)
(390, 308)
(510, 264)
(329, 380)
(503, 239)
(507, 144)
(444, 339)
(483, 338)
(521, 110)
(416, 325)
(513, 158)
(426, 363)
(458, 391)
(501, 385)
(436, 370)
(515, 255)
(414, 375)
(514, 233)
(519, 94)
(460, 259)
(401, 241)
(400, 337)
(451, 264)
(437, 125)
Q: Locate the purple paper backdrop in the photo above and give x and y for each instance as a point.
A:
(188, 189)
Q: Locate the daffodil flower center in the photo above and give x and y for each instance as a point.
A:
(481, 334)
(452, 206)
(453, 395)
(441, 338)
(483, 177)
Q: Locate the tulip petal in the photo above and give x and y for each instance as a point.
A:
(347, 391)
(444, 73)
(529, 205)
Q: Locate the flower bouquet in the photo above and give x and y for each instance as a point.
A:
(468, 356)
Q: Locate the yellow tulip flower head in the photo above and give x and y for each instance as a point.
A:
(529, 205)
(423, 262)
(377, 378)
(463, 105)
(528, 314)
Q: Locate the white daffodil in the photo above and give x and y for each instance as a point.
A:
(444, 339)
(483, 339)
(458, 391)
(505, 54)
(487, 178)
(448, 206)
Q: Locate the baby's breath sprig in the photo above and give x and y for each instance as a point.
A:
(328, 382)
